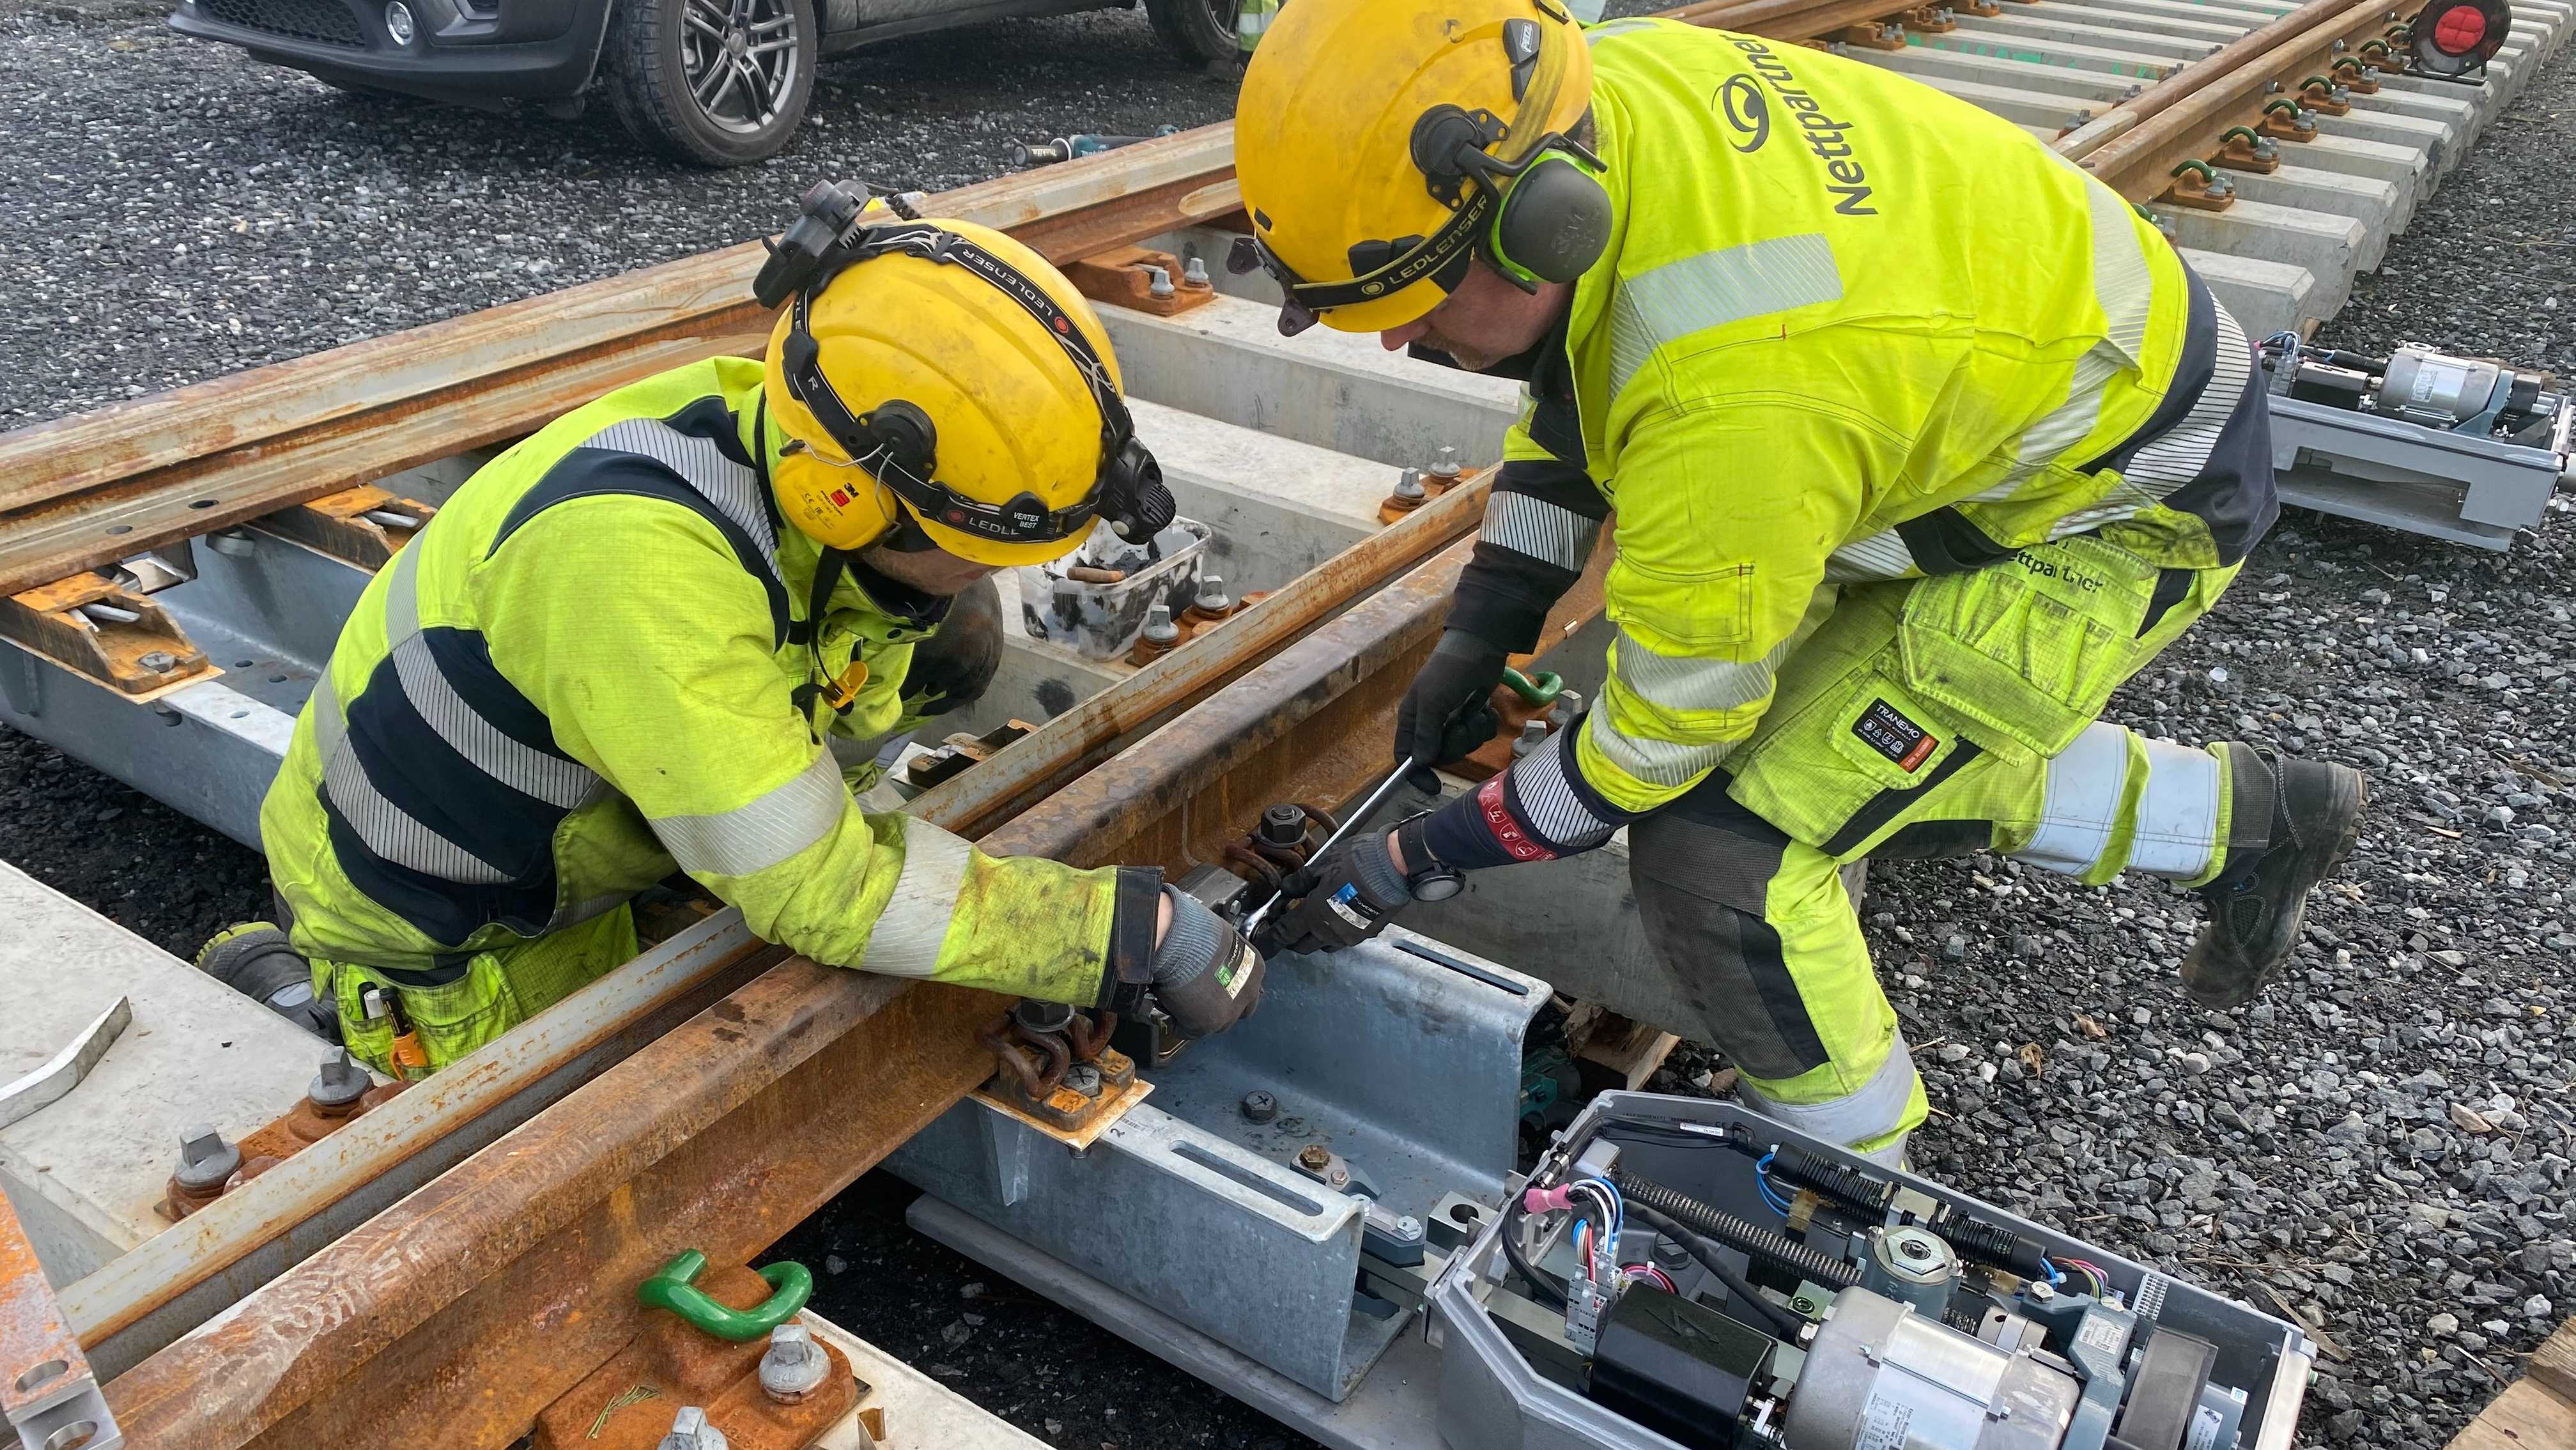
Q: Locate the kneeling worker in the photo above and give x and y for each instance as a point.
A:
(1920, 442)
(618, 650)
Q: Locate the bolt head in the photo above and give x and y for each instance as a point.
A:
(1408, 1227)
(2041, 1292)
(159, 661)
(1039, 1016)
(794, 1365)
(1315, 1156)
(1408, 484)
(1259, 1106)
(690, 1431)
(1083, 1078)
(1446, 464)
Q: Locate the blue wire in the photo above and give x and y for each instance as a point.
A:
(2050, 1270)
(1762, 1180)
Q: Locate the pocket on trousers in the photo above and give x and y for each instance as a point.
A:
(2030, 648)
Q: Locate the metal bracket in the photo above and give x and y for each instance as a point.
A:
(363, 525)
(47, 1392)
(94, 626)
(1125, 278)
(41, 1086)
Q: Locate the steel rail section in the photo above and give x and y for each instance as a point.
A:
(479, 1298)
(2134, 151)
(105, 485)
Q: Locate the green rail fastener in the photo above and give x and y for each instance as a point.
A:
(673, 1287)
(2200, 167)
(2232, 132)
(1539, 689)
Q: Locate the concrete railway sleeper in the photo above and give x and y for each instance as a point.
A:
(692, 1100)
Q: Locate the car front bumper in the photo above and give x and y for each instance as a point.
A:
(475, 52)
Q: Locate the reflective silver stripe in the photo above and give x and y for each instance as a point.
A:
(2177, 827)
(1594, 35)
(392, 833)
(1540, 529)
(1687, 682)
(732, 488)
(581, 911)
(2177, 456)
(1656, 762)
(1880, 556)
(2081, 802)
(2126, 292)
(1559, 814)
(908, 933)
(1874, 1110)
(521, 767)
(2122, 284)
(1666, 303)
(764, 831)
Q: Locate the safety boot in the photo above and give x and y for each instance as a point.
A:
(2257, 905)
(254, 959)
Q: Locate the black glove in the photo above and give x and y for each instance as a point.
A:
(1447, 712)
(1206, 976)
(1348, 897)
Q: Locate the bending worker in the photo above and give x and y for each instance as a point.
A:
(1919, 440)
(619, 649)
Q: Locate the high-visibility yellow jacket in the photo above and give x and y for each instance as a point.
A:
(585, 673)
(1846, 328)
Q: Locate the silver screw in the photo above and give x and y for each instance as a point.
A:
(339, 1082)
(1408, 484)
(1533, 735)
(2040, 1292)
(1194, 273)
(1212, 595)
(1083, 1078)
(1158, 624)
(795, 1366)
(1445, 467)
(690, 1431)
(1569, 704)
(159, 661)
(205, 1159)
(1408, 1227)
(1158, 282)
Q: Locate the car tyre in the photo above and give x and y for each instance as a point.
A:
(712, 83)
(1199, 31)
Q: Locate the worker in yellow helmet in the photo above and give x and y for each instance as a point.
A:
(619, 651)
(1919, 442)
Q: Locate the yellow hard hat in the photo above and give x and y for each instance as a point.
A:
(1383, 143)
(940, 374)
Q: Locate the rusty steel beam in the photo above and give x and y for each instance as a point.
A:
(91, 489)
(48, 1397)
(2134, 147)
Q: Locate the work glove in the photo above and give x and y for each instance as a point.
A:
(1205, 975)
(1347, 897)
(1448, 712)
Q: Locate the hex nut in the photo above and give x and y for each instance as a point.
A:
(1259, 1106)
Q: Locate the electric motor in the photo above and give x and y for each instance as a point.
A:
(1879, 1374)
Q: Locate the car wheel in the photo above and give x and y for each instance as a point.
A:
(712, 83)
(1199, 31)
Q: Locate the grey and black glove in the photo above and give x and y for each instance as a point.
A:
(1347, 897)
(1205, 975)
(1447, 711)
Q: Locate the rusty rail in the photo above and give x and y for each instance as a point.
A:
(105, 485)
(477, 1300)
(2134, 147)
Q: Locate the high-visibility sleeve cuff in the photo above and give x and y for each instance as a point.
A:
(1130, 967)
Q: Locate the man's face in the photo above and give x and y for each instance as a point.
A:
(933, 571)
(1485, 321)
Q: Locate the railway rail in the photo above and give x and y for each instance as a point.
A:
(470, 1256)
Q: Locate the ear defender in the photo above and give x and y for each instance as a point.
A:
(1554, 222)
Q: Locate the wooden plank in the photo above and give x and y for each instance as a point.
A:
(2554, 1363)
(2525, 1417)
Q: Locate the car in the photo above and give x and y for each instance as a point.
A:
(712, 83)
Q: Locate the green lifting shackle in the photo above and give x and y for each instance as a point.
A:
(673, 1287)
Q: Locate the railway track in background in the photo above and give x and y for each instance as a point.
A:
(2324, 147)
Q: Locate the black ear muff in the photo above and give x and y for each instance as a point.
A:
(1556, 221)
(910, 440)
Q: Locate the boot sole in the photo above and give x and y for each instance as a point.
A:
(2253, 982)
